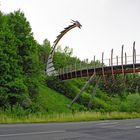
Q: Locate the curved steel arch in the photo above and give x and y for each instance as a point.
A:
(50, 70)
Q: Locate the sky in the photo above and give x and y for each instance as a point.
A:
(106, 24)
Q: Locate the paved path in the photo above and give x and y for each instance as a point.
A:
(99, 130)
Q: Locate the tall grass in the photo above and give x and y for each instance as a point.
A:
(66, 117)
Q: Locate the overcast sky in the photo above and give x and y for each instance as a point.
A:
(106, 24)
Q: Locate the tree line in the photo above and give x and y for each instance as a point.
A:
(20, 65)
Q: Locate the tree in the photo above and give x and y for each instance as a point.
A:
(27, 50)
(11, 79)
(44, 52)
(20, 71)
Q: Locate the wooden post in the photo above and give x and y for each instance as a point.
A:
(134, 57)
(103, 72)
(125, 58)
(122, 60)
(117, 60)
(112, 64)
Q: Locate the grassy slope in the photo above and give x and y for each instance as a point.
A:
(53, 101)
(56, 103)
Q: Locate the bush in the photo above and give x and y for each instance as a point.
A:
(101, 105)
(132, 103)
(85, 98)
(16, 110)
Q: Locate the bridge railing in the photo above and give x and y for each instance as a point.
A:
(114, 61)
(121, 60)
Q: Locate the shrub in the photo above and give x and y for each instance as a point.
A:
(132, 103)
(16, 110)
(101, 105)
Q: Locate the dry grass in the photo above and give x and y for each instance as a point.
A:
(67, 117)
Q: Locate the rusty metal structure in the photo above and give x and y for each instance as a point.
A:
(122, 64)
(114, 65)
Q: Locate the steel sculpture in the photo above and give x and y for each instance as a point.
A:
(50, 70)
(101, 71)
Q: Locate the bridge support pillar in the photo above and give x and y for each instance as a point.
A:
(93, 93)
(82, 90)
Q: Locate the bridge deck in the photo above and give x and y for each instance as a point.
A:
(107, 70)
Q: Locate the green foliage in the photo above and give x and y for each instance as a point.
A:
(64, 58)
(70, 90)
(130, 84)
(16, 111)
(132, 103)
(51, 101)
(100, 105)
(113, 86)
(44, 53)
(65, 88)
(133, 83)
(19, 60)
(84, 99)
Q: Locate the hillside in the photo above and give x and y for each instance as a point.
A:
(52, 101)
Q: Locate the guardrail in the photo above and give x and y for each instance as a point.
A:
(122, 63)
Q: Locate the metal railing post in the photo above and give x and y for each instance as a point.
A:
(103, 72)
(122, 60)
(134, 57)
(112, 71)
(117, 60)
(125, 58)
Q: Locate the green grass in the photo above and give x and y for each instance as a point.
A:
(53, 109)
(67, 117)
(53, 101)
